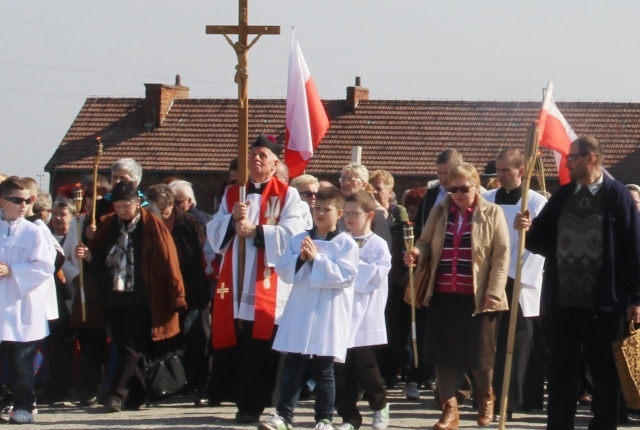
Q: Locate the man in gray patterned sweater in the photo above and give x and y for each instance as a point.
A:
(589, 233)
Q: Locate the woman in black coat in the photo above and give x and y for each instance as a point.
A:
(189, 237)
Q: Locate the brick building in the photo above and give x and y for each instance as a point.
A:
(173, 135)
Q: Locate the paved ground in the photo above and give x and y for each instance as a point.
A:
(179, 413)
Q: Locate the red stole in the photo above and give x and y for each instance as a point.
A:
(223, 333)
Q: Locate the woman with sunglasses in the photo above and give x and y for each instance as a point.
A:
(466, 241)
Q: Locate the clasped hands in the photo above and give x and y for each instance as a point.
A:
(308, 250)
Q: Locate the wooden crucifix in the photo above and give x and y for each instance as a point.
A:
(241, 47)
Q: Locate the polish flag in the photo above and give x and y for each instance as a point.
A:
(307, 120)
(555, 134)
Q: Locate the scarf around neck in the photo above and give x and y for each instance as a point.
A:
(120, 258)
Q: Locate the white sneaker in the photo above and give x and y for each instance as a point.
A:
(324, 425)
(345, 426)
(411, 391)
(275, 422)
(381, 418)
(20, 417)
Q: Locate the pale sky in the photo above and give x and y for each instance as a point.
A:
(55, 54)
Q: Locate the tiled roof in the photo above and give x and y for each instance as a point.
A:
(404, 137)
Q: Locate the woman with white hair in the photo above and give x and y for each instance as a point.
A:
(307, 186)
(124, 169)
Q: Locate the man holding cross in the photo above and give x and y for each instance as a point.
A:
(245, 314)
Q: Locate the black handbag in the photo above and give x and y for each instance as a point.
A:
(166, 376)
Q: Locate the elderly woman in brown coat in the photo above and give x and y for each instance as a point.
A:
(134, 255)
(466, 242)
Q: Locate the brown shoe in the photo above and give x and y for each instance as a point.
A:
(450, 416)
(486, 404)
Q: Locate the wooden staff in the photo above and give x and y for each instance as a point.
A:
(530, 155)
(541, 176)
(408, 244)
(241, 48)
(77, 200)
(96, 162)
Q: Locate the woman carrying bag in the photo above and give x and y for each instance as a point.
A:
(466, 240)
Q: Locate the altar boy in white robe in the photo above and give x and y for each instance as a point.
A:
(245, 317)
(368, 326)
(322, 265)
(510, 169)
(26, 265)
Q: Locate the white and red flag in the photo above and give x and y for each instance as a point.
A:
(307, 120)
(555, 134)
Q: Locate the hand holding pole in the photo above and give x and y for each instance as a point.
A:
(530, 156)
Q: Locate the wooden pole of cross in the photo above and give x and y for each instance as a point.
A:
(241, 48)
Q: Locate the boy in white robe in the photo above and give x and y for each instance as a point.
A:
(25, 267)
(368, 326)
(322, 265)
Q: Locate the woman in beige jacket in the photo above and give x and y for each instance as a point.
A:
(466, 244)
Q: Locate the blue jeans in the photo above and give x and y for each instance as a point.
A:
(325, 389)
(21, 356)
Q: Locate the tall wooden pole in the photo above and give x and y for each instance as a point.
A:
(96, 163)
(530, 155)
(77, 201)
(241, 47)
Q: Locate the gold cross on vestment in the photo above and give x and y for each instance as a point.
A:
(222, 290)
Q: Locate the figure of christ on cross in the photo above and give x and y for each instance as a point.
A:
(241, 47)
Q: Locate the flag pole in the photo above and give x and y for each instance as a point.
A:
(530, 155)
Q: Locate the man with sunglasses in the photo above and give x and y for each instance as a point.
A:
(26, 265)
(509, 170)
(589, 234)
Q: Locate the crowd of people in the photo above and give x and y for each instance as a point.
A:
(297, 286)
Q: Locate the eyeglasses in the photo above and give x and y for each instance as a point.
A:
(308, 194)
(463, 190)
(179, 202)
(352, 214)
(346, 179)
(19, 200)
(574, 157)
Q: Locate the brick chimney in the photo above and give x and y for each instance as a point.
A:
(355, 94)
(159, 99)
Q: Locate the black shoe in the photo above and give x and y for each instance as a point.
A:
(135, 406)
(242, 418)
(201, 403)
(113, 404)
(88, 402)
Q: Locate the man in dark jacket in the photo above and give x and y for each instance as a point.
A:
(589, 233)
(435, 195)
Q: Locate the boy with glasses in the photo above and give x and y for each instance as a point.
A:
(368, 328)
(25, 266)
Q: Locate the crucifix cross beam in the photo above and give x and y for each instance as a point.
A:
(241, 48)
